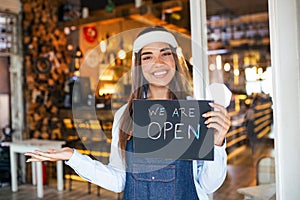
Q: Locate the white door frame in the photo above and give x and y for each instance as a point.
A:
(285, 57)
(199, 47)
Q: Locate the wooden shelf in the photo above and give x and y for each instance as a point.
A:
(101, 15)
(240, 44)
(242, 19)
(122, 11)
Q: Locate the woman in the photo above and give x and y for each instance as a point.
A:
(158, 73)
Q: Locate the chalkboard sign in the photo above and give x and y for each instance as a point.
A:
(172, 129)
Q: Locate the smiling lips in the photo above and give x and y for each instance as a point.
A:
(160, 74)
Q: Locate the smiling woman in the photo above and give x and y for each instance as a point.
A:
(157, 67)
(158, 73)
(158, 64)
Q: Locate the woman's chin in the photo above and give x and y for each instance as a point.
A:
(160, 84)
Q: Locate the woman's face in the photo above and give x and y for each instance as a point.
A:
(158, 65)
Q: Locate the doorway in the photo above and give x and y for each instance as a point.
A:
(238, 41)
(5, 117)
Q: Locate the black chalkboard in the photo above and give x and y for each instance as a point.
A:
(172, 129)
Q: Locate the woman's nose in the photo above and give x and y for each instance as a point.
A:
(158, 60)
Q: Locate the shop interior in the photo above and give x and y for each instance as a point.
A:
(66, 68)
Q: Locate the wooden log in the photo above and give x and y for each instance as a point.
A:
(42, 36)
(37, 117)
(56, 134)
(54, 110)
(44, 128)
(27, 7)
(45, 122)
(55, 76)
(36, 134)
(45, 135)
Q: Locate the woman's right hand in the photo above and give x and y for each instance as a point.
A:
(50, 155)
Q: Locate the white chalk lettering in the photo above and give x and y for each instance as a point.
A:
(151, 112)
(162, 111)
(192, 112)
(175, 112)
(177, 130)
(155, 131)
(159, 128)
(196, 133)
(182, 112)
(167, 129)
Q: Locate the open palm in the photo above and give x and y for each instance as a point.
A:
(50, 155)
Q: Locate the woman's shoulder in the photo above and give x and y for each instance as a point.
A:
(117, 117)
(120, 111)
(118, 114)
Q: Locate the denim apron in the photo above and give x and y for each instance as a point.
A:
(156, 179)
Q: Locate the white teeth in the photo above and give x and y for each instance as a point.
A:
(159, 73)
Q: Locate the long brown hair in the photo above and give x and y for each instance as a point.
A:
(179, 88)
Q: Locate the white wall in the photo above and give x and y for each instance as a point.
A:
(4, 110)
(285, 47)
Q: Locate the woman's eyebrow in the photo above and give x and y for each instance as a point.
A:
(161, 50)
(146, 52)
(165, 49)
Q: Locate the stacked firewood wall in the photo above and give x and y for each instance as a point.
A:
(46, 68)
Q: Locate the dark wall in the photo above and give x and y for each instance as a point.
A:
(100, 4)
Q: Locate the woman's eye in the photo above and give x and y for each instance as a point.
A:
(167, 54)
(146, 58)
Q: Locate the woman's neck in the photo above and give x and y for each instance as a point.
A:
(158, 92)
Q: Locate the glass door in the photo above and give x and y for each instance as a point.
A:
(238, 43)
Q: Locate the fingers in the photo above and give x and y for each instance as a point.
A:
(36, 157)
(218, 107)
(218, 111)
(222, 123)
(50, 155)
(33, 160)
(39, 156)
(219, 120)
(215, 126)
(51, 151)
(219, 115)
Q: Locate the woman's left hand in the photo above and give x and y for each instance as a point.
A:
(219, 120)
